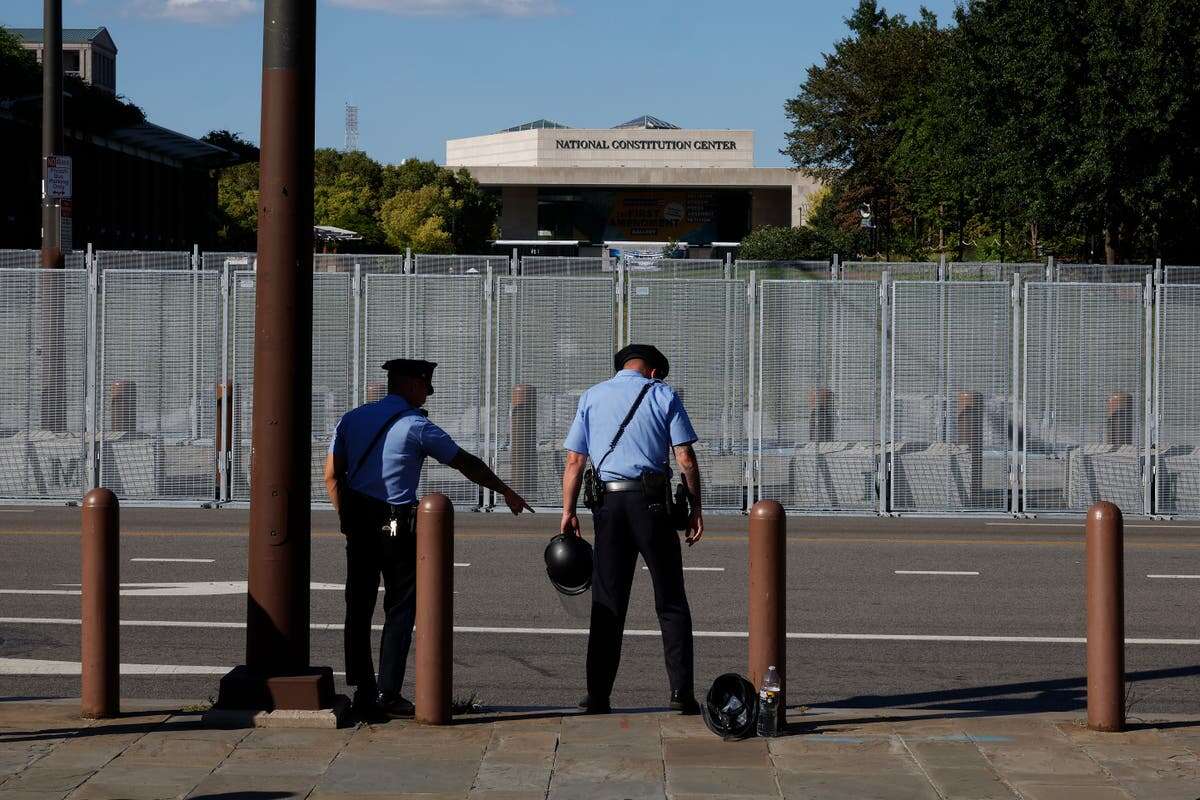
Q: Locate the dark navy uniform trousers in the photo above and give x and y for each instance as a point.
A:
(371, 554)
(626, 527)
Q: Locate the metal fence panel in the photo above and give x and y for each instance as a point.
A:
(995, 270)
(899, 270)
(675, 267)
(701, 326)
(425, 264)
(1084, 393)
(951, 396)
(143, 259)
(44, 441)
(1102, 273)
(239, 260)
(572, 266)
(159, 370)
(817, 415)
(1177, 401)
(554, 339)
(389, 264)
(1178, 273)
(782, 270)
(332, 372)
(439, 318)
(32, 259)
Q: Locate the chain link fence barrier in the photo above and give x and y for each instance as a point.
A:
(784, 270)
(424, 264)
(555, 337)
(157, 387)
(32, 259)
(899, 270)
(1102, 273)
(702, 328)
(1084, 397)
(671, 268)
(1177, 402)
(566, 266)
(1180, 274)
(983, 271)
(439, 318)
(237, 260)
(45, 452)
(951, 396)
(817, 394)
(143, 260)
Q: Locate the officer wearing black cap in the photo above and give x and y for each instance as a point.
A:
(371, 474)
(647, 421)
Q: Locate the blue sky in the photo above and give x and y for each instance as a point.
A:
(423, 71)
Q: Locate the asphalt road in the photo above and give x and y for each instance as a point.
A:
(864, 631)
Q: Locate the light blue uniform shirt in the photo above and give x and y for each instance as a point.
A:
(393, 469)
(659, 424)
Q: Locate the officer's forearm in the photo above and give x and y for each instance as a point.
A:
(331, 488)
(478, 472)
(689, 468)
(572, 481)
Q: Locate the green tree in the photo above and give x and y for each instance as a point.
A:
(772, 243)
(416, 218)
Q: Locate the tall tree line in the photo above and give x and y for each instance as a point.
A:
(1022, 130)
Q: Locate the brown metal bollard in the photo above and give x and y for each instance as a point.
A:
(435, 609)
(1105, 618)
(768, 584)
(122, 406)
(970, 432)
(224, 427)
(524, 438)
(100, 589)
(820, 415)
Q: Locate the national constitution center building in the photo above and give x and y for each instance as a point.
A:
(645, 180)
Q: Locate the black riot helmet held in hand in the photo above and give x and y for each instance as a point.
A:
(731, 707)
(569, 564)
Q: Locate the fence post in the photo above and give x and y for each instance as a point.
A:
(969, 432)
(100, 670)
(435, 609)
(834, 268)
(1105, 618)
(1148, 419)
(1017, 425)
(768, 582)
(1051, 275)
(524, 438)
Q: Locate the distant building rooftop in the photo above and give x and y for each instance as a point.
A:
(69, 35)
(647, 122)
(535, 125)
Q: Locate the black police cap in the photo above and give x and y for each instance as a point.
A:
(410, 367)
(648, 353)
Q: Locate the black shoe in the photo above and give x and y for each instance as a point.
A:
(684, 702)
(366, 707)
(591, 706)
(395, 706)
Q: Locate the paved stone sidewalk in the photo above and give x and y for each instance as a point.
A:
(156, 752)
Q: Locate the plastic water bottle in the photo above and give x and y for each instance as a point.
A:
(770, 709)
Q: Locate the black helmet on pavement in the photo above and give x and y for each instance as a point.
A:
(731, 707)
(569, 564)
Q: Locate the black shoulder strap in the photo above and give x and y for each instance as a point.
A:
(624, 423)
(379, 434)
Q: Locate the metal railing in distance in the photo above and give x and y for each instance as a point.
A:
(565, 266)
(425, 264)
(439, 318)
(675, 268)
(899, 270)
(143, 259)
(1179, 273)
(951, 396)
(555, 337)
(1177, 402)
(157, 386)
(783, 270)
(816, 426)
(45, 447)
(1102, 273)
(1084, 396)
(238, 260)
(995, 270)
(701, 326)
(367, 264)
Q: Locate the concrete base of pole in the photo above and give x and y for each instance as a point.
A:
(337, 716)
(242, 689)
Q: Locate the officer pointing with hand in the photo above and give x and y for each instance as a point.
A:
(371, 473)
(627, 427)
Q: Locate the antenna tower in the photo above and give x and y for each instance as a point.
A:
(351, 128)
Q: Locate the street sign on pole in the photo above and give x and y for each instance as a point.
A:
(58, 178)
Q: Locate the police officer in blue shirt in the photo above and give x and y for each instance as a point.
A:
(632, 517)
(371, 474)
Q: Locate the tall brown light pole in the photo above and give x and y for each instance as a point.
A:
(277, 673)
(52, 349)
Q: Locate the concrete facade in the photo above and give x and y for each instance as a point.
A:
(603, 147)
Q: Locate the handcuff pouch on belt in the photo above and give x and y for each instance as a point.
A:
(593, 486)
(676, 507)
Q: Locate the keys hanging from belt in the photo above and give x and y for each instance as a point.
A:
(392, 527)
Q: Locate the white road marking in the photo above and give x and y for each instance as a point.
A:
(37, 666)
(697, 569)
(174, 589)
(1180, 577)
(458, 564)
(176, 560)
(934, 572)
(1079, 525)
(869, 637)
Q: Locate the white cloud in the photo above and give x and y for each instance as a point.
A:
(498, 8)
(205, 11)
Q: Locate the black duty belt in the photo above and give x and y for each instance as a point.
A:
(624, 486)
